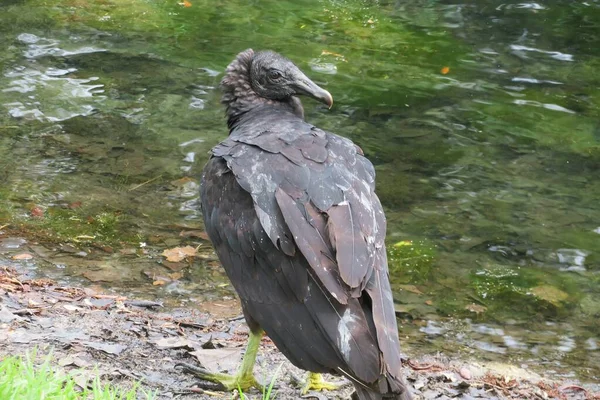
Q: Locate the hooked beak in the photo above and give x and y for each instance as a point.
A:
(303, 85)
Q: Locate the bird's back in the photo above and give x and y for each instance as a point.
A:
(293, 215)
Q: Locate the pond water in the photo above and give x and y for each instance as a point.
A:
(482, 118)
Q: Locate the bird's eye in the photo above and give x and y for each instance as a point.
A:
(274, 74)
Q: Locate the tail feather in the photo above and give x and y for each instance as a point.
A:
(387, 387)
(363, 393)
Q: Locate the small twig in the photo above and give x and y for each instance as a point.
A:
(27, 311)
(195, 390)
(14, 281)
(144, 183)
(573, 387)
(109, 296)
(143, 303)
(417, 367)
(503, 389)
(185, 324)
(63, 298)
(238, 318)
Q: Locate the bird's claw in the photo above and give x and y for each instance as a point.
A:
(218, 381)
(316, 382)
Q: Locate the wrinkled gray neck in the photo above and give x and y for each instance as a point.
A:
(238, 96)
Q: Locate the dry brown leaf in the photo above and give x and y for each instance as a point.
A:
(177, 254)
(175, 275)
(175, 343)
(22, 256)
(218, 359)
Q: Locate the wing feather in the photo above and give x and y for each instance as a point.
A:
(314, 249)
(351, 248)
(380, 292)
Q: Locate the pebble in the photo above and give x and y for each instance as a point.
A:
(465, 373)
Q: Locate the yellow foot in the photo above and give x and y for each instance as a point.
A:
(221, 382)
(317, 383)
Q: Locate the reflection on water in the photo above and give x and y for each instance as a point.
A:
(67, 96)
(481, 118)
(521, 51)
(554, 107)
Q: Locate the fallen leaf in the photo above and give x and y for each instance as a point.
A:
(186, 3)
(110, 348)
(175, 275)
(82, 377)
(33, 303)
(68, 360)
(223, 359)
(445, 70)
(22, 256)
(174, 343)
(428, 302)
(177, 254)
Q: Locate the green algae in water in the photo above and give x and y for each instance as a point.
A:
(411, 260)
(527, 293)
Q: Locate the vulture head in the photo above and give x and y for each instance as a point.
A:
(257, 78)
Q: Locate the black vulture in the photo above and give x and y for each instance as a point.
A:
(293, 216)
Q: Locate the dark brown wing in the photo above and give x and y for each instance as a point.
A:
(278, 292)
(313, 192)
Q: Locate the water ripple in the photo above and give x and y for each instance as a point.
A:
(533, 80)
(49, 93)
(41, 47)
(548, 106)
(557, 55)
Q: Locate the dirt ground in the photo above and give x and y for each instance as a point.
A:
(126, 340)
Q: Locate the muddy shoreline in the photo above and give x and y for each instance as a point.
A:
(126, 340)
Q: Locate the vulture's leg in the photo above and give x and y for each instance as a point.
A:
(244, 379)
(316, 382)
